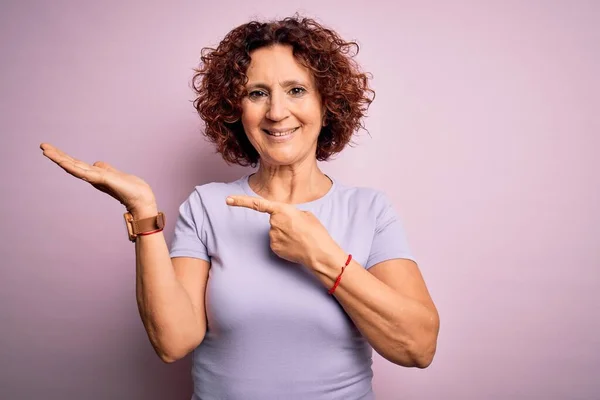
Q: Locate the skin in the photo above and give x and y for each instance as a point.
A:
(169, 292)
(389, 303)
(282, 95)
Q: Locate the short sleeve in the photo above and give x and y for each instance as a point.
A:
(189, 239)
(389, 239)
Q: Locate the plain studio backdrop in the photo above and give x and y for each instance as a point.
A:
(484, 133)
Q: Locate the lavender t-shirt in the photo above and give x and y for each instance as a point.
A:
(273, 331)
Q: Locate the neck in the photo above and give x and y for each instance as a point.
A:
(290, 184)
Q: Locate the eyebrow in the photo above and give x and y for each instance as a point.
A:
(288, 83)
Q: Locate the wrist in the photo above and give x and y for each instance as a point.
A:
(143, 222)
(144, 212)
(329, 262)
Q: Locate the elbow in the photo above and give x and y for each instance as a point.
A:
(424, 359)
(167, 359)
(169, 355)
(424, 350)
(172, 351)
(411, 354)
(421, 352)
(418, 355)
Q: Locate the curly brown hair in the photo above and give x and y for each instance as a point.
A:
(219, 84)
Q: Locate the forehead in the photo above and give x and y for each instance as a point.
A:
(276, 64)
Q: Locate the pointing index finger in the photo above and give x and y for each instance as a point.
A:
(254, 203)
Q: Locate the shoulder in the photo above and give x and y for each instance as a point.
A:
(218, 190)
(362, 197)
(210, 196)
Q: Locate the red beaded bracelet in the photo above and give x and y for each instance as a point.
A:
(339, 278)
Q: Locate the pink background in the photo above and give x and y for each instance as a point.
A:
(484, 133)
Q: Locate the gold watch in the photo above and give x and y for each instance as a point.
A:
(145, 225)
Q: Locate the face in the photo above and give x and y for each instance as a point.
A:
(282, 113)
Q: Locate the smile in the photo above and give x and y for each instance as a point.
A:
(280, 133)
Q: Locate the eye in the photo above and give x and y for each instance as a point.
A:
(255, 94)
(297, 91)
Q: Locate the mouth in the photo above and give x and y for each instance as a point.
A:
(280, 133)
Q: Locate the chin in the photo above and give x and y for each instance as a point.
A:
(279, 159)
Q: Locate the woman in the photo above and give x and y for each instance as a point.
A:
(283, 281)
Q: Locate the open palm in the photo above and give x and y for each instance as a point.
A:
(133, 192)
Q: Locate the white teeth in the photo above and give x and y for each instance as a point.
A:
(281, 133)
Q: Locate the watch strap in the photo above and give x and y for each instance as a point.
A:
(144, 225)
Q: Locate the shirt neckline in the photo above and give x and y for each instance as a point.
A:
(246, 186)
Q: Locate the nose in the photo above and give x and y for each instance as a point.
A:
(278, 109)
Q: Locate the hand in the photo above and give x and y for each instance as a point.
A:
(134, 193)
(296, 235)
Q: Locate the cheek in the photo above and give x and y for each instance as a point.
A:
(252, 114)
(311, 113)
(251, 120)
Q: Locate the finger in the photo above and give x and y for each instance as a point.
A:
(61, 158)
(54, 153)
(254, 203)
(105, 166)
(94, 174)
(82, 170)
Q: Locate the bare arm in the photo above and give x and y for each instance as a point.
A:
(390, 305)
(170, 296)
(170, 293)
